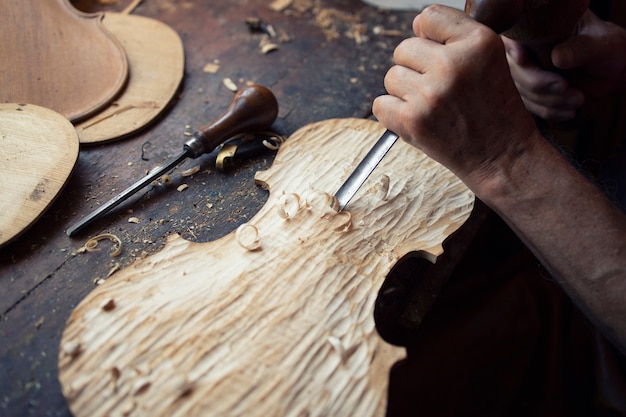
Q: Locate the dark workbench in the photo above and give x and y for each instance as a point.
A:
(329, 68)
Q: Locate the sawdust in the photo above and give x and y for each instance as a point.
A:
(333, 22)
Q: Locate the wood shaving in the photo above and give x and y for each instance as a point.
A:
(71, 348)
(166, 179)
(133, 220)
(380, 30)
(182, 187)
(248, 237)
(288, 206)
(280, 5)
(344, 218)
(230, 84)
(267, 45)
(113, 270)
(211, 68)
(191, 171)
(92, 244)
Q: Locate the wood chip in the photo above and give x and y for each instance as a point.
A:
(133, 220)
(230, 84)
(92, 244)
(280, 5)
(211, 68)
(248, 237)
(189, 172)
(71, 348)
(182, 187)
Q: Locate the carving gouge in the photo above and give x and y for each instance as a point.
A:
(253, 108)
(364, 169)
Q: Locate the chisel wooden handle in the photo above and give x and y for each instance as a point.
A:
(253, 108)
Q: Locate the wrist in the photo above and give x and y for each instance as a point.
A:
(520, 178)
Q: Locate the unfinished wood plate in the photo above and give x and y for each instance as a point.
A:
(38, 151)
(275, 319)
(157, 61)
(56, 57)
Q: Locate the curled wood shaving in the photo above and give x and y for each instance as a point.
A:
(288, 206)
(92, 244)
(383, 190)
(267, 45)
(248, 237)
(344, 218)
(133, 220)
(189, 172)
(182, 187)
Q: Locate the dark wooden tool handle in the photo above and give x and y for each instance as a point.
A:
(253, 108)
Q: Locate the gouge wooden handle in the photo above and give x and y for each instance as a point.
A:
(253, 108)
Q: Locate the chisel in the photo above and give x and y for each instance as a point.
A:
(253, 109)
(349, 188)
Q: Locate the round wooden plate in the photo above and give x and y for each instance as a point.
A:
(38, 151)
(156, 59)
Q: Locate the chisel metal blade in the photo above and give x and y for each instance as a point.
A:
(364, 169)
(130, 191)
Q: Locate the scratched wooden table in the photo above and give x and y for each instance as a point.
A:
(332, 66)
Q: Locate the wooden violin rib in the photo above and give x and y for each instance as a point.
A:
(62, 59)
(276, 318)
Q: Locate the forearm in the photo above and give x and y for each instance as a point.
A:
(576, 232)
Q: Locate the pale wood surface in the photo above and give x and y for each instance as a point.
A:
(156, 65)
(56, 57)
(214, 329)
(38, 150)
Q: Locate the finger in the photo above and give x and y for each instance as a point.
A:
(385, 109)
(575, 52)
(527, 73)
(415, 53)
(550, 113)
(442, 24)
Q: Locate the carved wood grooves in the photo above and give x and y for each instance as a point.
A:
(285, 330)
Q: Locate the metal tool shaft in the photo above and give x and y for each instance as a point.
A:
(365, 168)
(127, 193)
(252, 109)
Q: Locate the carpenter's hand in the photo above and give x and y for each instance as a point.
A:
(593, 63)
(450, 94)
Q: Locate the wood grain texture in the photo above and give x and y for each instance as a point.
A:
(38, 151)
(284, 330)
(56, 57)
(156, 65)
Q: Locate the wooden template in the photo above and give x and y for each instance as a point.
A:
(275, 319)
(38, 151)
(62, 59)
(156, 66)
